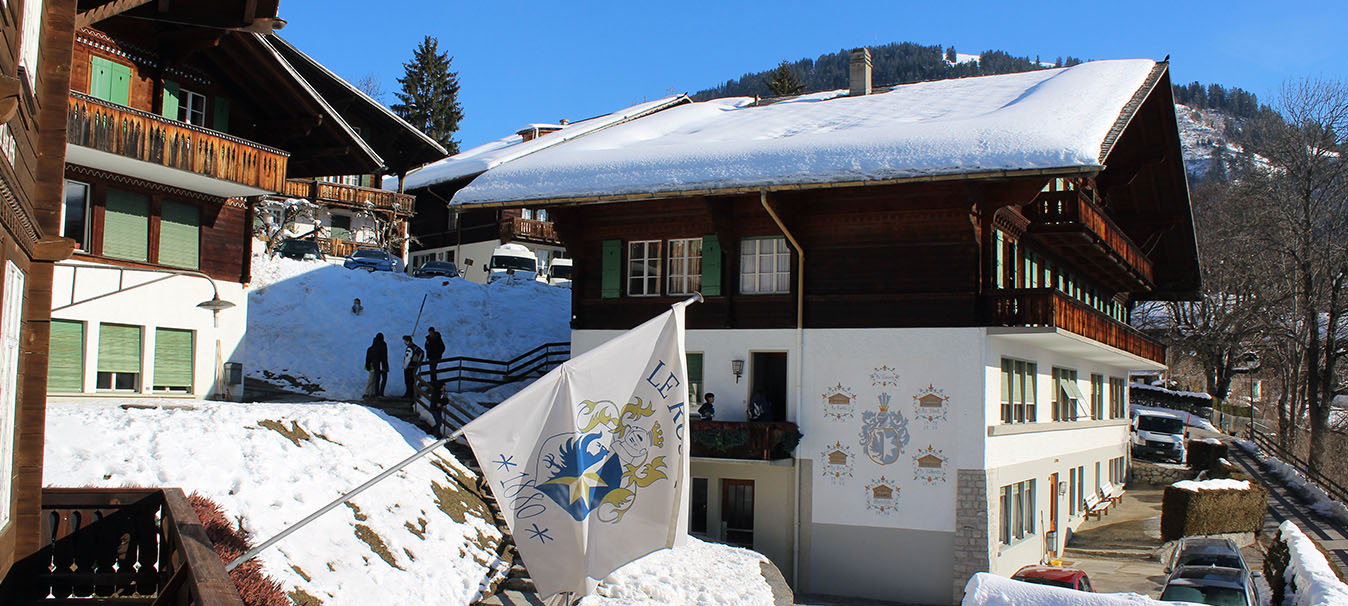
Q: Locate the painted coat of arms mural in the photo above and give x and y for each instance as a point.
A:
(929, 465)
(882, 495)
(837, 462)
(884, 433)
(838, 402)
(931, 406)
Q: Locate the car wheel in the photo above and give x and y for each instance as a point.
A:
(369, 269)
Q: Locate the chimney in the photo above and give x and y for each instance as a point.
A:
(860, 72)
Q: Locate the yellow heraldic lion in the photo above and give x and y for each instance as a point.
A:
(632, 434)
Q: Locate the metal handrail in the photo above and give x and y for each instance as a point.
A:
(1325, 483)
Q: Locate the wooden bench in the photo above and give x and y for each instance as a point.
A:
(1097, 506)
(1113, 493)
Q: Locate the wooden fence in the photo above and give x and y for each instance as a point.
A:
(464, 373)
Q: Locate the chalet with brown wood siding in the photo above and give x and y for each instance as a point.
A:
(923, 280)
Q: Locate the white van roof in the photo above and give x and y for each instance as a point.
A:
(513, 250)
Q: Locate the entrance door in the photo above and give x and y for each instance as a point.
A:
(737, 512)
(1053, 512)
(769, 379)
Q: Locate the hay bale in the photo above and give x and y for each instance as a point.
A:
(1204, 455)
(1188, 513)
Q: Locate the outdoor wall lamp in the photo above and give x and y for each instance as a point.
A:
(737, 367)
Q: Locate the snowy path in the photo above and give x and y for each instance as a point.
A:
(1283, 505)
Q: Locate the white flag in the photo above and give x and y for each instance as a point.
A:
(589, 463)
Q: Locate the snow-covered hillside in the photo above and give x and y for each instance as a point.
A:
(301, 330)
(1202, 135)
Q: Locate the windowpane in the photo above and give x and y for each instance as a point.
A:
(643, 268)
(74, 224)
(765, 266)
(685, 266)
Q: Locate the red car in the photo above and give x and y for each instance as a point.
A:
(1056, 576)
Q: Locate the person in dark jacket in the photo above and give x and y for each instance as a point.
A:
(412, 357)
(376, 363)
(435, 349)
(708, 409)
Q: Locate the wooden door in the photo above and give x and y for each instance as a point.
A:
(737, 512)
(1053, 512)
(769, 379)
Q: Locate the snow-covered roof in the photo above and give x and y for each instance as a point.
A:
(1172, 392)
(1049, 120)
(495, 153)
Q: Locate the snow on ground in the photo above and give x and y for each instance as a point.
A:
(1316, 583)
(991, 590)
(1213, 484)
(695, 573)
(1319, 500)
(1051, 118)
(415, 538)
(1190, 419)
(300, 322)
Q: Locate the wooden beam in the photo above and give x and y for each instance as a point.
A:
(111, 9)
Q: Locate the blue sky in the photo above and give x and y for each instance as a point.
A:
(522, 62)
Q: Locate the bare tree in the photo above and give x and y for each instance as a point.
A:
(371, 85)
(278, 218)
(388, 231)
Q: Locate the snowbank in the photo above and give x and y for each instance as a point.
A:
(1319, 500)
(1189, 419)
(415, 538)
(991, 590)
(1214, 484)
(695, 573)
(1316, 583)
(1173, 392)
(300, 323)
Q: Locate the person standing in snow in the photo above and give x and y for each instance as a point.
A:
(376, 363)
(435, 349)
(412, 357)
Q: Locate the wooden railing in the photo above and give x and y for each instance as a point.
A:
(337, 247)
(744, 440)
(121, 130)
(1050, 307)
(1074, 208)
(517, 228)
(355, 196)
(464, 373)
(123, 546)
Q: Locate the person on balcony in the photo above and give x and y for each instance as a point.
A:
(708, 408)
(412, 357)
(376, 363)
(759, 410)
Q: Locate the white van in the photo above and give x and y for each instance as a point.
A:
(559, 273)
(1159, 434)
(512, 259)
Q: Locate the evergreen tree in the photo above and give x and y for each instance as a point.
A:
(429, 99)
(950, 54)
(783, 81)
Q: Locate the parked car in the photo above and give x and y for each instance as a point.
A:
(560, 272)
(1056, 576)
(1213, 585)
(431, 269)
(372, 259)
(1203, 551)
(300, 250)
(1160, 435)
(512, 259)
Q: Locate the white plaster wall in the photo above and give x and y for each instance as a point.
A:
(170, 303)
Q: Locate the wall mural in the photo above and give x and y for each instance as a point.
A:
(929, 465)
(882, 495)
(838, 402)
(884, 433)
(837, 462)
(931, 405)
(885, 376)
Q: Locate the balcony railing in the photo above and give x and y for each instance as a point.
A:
(122, 546)
(121, 130)
(1073, 214)
(1052, 308)
(518, 228)
(354, 196)
(744, 440)
(337, 247)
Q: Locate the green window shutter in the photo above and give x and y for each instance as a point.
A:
(613, 264)
(65, 362)
(118, 348)
(100, 78)
(711, 266)
(121, 84)
(173, 358)
(221, 121)
(179, 235)
(126, 226)
(694, 367)
(170, 105)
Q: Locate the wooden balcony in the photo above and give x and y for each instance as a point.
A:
(1070, 224)
(337, 247)
(352, 196)
(134, 546)
(1048, 307)
(744, 440)
(530, 230)
(130, 133)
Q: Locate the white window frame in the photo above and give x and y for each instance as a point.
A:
(683, 279)
(1016, 504)
(186, 112)
(30, 41)
(753, 252)
(643, 269)
(11, 315)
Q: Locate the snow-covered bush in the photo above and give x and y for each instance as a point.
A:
(1307, 578)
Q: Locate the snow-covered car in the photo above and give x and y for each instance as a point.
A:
(560, 272)
(372, 259)
(512, 260)
(1159, 435)
(433, 269)
(300, 250)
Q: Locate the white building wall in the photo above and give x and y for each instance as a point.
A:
(113, 296)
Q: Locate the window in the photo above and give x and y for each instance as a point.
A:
(191, 107)
(737, 512)
(28, 48)
(65, 360)
(1071, 491)
(340, 226)
(541, 214)
(1017, 511)
(643, 268)
(694, 380)
(173, 360)
(697, 512)
(1096, 485)
(1066, 394)
(118, 357)
(765, 266)
(11, 314)
(1019, 388)
(179, 235)
(1117, 471)
(1081, 489)
(685, 266)
(75, 214)
(527, 214)
(1097, 397)
(126, 226)
(1118, 398)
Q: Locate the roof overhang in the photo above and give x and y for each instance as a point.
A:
(1074, 345)
(158, 173)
